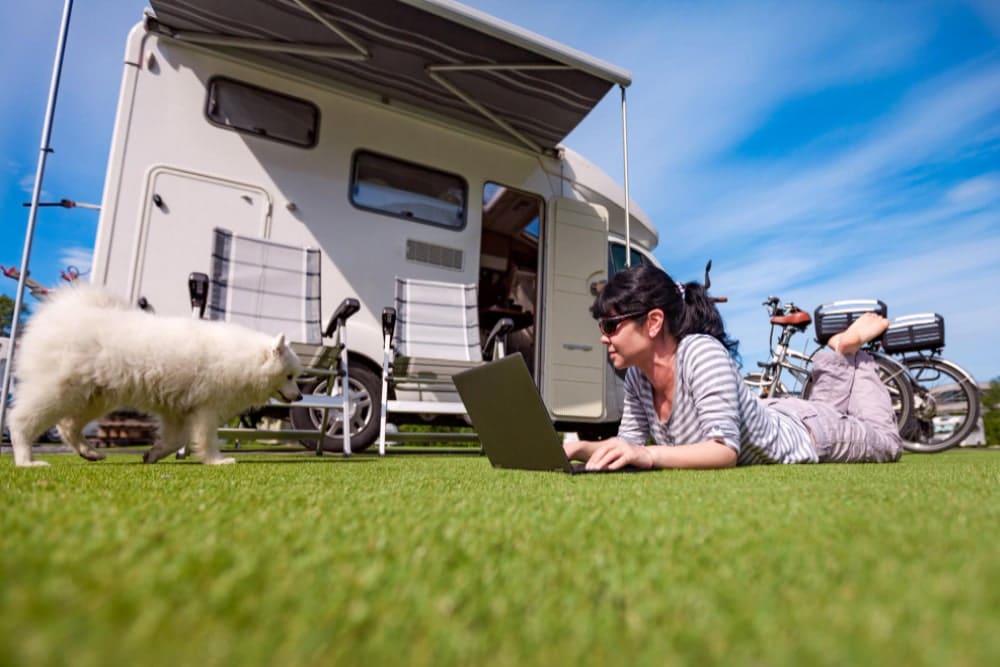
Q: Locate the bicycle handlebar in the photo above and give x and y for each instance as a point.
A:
(774, 307)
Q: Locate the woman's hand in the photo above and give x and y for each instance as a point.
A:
(576, 449)
(616, 453)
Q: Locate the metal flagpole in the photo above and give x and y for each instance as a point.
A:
(628, 221)
(44, 150)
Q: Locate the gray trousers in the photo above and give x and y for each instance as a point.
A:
(849, 412)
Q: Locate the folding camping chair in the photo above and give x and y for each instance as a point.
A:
(431, 334)
(275, 288)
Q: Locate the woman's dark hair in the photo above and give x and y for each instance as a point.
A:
(641, 288)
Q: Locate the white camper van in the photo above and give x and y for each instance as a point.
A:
(413, 138)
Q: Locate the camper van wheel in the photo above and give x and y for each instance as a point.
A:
(51, 435)
(365, 385)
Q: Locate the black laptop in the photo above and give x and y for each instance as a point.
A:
(511, 419)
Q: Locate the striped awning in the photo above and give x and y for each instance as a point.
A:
(437, 56)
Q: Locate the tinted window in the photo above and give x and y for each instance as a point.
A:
(616, 258)
(407, 190)
(263, 113)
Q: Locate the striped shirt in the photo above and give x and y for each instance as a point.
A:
(711, 402)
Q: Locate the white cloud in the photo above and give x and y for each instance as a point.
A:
(976, 191)
(27, 185)
(931, 124)
(705, 81)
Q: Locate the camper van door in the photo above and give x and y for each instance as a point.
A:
(180, 210)
(576, 260)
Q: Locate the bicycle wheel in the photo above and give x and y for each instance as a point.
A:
(946, 405)
(896, 380)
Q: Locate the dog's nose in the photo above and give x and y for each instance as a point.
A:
(297, 397)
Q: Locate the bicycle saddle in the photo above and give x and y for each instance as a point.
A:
(799, 318)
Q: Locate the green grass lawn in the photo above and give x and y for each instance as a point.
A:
(290, 559)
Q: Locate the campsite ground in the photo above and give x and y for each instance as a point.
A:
(288, 558)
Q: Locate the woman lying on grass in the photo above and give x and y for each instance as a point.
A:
(684, 394)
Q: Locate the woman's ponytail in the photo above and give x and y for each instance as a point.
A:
(701, 316)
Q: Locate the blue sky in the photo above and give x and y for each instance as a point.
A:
(816, 151)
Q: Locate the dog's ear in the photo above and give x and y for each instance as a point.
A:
(279, 345)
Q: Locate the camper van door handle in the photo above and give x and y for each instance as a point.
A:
(158, 200)
(578, 346)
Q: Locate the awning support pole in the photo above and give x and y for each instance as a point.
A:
(628, 221)
(432, 72)
(43, 153)
(332, 27)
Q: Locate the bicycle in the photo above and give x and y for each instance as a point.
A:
(830, 319)
(946, 403)
(936, 401)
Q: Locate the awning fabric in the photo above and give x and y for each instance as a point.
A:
(435, 55)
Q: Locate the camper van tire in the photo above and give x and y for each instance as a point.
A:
(366, 387)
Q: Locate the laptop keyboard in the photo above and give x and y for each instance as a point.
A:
(581, 469)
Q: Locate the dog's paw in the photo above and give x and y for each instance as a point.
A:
(93, 455)
(221, 461)
(149, 457)
(32, 464)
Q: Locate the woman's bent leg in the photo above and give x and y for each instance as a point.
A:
(857, 423)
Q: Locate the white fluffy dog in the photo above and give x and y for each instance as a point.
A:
(86, 352)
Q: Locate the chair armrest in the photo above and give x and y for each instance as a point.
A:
(346, 308)
(198, 291)
(388, 322)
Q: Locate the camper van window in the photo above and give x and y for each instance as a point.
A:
(406, 190)
(263, 113)
(616, 258)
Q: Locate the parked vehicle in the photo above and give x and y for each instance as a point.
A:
(416, 138)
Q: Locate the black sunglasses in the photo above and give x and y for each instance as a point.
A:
(609, 325)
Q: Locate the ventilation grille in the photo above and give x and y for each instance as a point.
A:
(438, 255)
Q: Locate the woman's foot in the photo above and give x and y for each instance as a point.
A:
(866, 328)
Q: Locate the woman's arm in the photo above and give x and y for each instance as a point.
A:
(634, 424)
(616, 453)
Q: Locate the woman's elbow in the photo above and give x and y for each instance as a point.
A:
(727, 456)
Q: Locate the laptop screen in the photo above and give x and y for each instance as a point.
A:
(510, 417)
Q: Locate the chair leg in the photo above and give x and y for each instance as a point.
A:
(324, 422)
(346, 420)
(386, 365)
(321, 435)
(345, 388)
